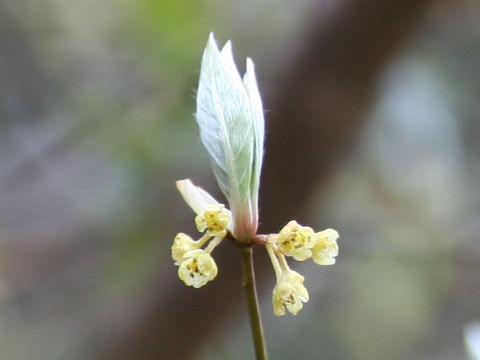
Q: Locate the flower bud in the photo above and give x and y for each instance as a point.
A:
(181, 244)
(326, 247)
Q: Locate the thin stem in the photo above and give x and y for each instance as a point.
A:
(213, 244)
(252, 302)
(283, 262)
(274, 259)
(205, 237)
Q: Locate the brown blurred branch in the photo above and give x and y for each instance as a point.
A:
(320, 106)
(316, 111)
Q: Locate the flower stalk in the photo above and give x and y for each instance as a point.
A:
(252, 302)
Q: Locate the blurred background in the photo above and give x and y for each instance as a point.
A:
(372, 128)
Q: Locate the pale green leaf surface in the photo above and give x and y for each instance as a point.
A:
(258, 122)
(224, 121)
(230, 118)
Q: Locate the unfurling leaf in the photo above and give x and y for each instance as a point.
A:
(230, 117)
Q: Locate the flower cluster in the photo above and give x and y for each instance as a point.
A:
(195, 264)
(301, 243)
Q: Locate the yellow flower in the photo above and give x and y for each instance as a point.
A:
(326, 247)
(296, 240)
(289, 293)
(215, 219)
(181, 244)
(197, 268)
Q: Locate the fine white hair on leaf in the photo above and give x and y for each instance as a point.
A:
(256, 109)
(230, 117)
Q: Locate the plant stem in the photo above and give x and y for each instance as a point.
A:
(252, 302)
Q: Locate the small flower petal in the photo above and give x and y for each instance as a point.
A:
(326, 247)
(296, 240)
(181, 244)
(197, 268)
(289, 293)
